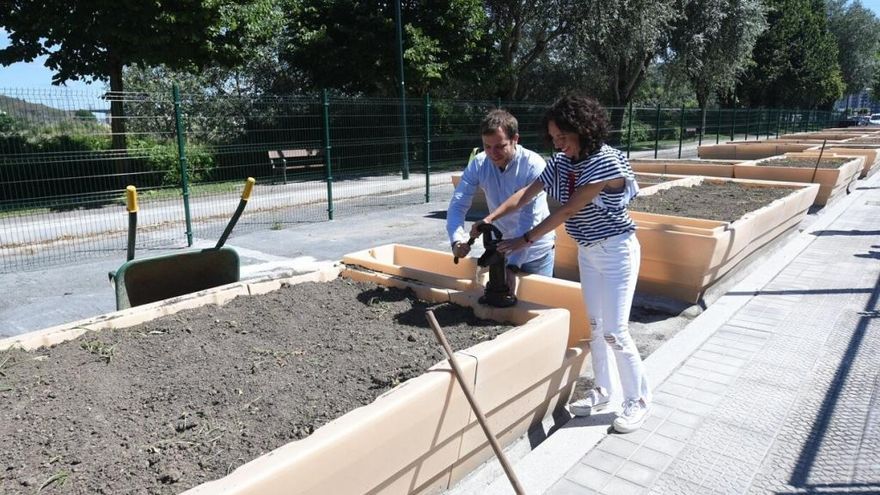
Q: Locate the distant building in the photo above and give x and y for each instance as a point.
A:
(862, 99)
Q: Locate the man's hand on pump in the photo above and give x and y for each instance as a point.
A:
(461, 249)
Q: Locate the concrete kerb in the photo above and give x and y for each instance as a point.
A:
(565, 440)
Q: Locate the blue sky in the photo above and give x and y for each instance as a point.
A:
(35, 75)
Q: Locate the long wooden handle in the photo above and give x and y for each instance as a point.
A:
(508, 469)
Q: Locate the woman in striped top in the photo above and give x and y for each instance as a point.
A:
(595, 183)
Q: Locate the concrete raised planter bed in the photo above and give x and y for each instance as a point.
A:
(682, 257)
(871, 156)
(868, 150)
(650, 180)
(832, 181)
(825, 135)
(421, 436)
(749, 150)
(709, 168)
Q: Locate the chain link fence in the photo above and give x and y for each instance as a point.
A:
(65, 161)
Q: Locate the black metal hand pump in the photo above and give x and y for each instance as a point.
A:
(497, 292)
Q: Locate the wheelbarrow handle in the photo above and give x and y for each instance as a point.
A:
(245, 195)
(131, 201)
(248, 187)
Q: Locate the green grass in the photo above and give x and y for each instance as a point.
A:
(59, 479)
(104, 351)
(119, 199)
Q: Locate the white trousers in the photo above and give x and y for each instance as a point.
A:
(609, 270)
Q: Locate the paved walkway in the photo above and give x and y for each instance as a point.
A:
(774, 389)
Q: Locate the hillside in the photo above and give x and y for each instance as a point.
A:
(34, 113)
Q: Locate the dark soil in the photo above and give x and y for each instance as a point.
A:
(183, 399)
(726, 202)
(806, 162)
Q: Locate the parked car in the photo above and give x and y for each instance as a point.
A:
(857, 120)
(875, 119)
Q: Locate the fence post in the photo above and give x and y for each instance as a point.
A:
(498, 102)
(701, 123)
(427, 148)
(748, 118)
(325, 100)
(680, 130)
(718, 127)
(657, 131)
(629, 130)
(733, 125)
(778, 119)
(181, 157)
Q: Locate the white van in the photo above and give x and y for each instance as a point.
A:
(875, 119)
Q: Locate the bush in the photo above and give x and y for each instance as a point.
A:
(641, 132)
(162, 158)
(7, 123)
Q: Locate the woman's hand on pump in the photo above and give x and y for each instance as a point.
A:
(508, 246)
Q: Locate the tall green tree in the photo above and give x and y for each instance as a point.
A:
(522, 32)
(795, 59)
(712, 44)
(875, 81)
(620, 39)
(351, 46)
(96, 39)
(857, 31)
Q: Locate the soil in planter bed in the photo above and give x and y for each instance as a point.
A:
(184, 399)
(726, 201)
(805, 162)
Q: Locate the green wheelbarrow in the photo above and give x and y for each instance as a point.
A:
(147, 280)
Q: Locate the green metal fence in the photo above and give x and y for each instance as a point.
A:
(63, 170)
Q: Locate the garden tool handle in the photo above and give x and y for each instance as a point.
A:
(441, 338)
(131, 201)
(248, 187)
(245, 196)
(816, 168)
(470, 242)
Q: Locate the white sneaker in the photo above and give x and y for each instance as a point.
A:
(633, 416)
(595, 401)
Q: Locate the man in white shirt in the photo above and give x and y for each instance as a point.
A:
(503, 168)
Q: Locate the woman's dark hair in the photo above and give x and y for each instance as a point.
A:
(581, 115)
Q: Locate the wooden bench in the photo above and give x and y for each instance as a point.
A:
(295, 159)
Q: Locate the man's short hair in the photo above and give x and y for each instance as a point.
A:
(502, 119)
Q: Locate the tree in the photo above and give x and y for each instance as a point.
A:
(622, 38)
(875, 82)
(351, 46)
(795, 59)
(95, 40)
(857, 31)
(522, 31)
(712, 44)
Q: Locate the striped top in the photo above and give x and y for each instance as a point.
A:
(607, 215)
